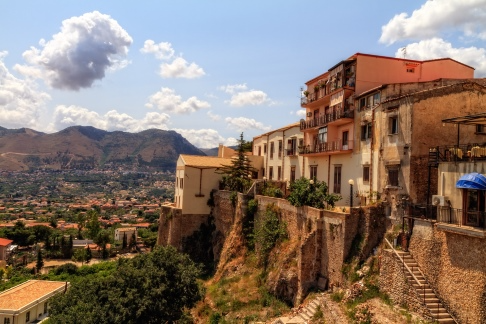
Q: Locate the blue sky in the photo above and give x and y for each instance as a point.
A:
(207, 69)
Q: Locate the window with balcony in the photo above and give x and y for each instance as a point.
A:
(292, 147)
(313, 172)
(365, 131)
(393, 125)
(366, 174)
(337, 179)
(272, 149)
(280, 148)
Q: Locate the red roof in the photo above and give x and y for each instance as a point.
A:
(5, 242)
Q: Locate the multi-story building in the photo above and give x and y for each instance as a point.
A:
(279, 149)
(332, 130)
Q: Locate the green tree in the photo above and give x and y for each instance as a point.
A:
(151, 288)
(79, 255)
(40, 261)
(304, 192)
(93, 224)
(89, 255)
(133, 241)
(236, 177)
(124, 241)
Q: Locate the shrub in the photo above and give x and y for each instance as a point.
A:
(268, 231)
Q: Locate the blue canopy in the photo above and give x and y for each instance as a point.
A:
(472, 181)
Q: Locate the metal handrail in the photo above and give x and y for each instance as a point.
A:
(403, 262)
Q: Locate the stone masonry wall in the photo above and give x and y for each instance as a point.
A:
(455, 267)
(174, 226)
(392, 281)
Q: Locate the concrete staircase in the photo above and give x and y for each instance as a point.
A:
(433, 304)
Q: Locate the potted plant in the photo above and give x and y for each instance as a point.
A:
(306, 93)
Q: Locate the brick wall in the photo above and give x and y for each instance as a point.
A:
(455, 267)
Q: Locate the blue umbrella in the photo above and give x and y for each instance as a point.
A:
(472, 181)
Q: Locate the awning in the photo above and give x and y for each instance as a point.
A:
(472, 181)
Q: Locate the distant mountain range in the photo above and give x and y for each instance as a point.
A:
(86, 147)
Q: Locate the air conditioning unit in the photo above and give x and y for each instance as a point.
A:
(439, 200)
(309, 114)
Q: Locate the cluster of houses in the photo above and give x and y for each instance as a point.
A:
(374, 128)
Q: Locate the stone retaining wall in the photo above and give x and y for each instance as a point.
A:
(455, 267)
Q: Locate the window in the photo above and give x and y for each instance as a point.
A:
(322, 135)
(27, 316)
(366, 173)
(393, 125)
(270, 173)
(393, 176)
(280, 147)
(272, 149)
(264, 148)
(345, 140)
(45, 307)
(6, 321)
(279, 173)
(376, 98)
(410, 70)
(313, 172)
(292, 147)
(259, 151)
(362, 103)
(366, 131)
(182, 183)
(292, 173)
(263, 172)
(481, 129)
(337, 179)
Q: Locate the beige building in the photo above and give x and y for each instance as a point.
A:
(122, 231)
(28, 302)
(279, 152)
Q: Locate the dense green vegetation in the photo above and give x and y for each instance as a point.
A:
(314, 193)
(155, 287)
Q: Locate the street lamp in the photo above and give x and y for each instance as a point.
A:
(351, 184)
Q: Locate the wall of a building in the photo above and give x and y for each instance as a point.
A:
(450, 172)
(198, 183)
(454, 266)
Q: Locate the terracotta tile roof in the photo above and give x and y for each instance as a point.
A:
(204, 161)
(5, 242)
(28, 292)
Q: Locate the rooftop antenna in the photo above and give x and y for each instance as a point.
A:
(404, 51)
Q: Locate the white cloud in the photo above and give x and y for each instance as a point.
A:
(85, 48)
(299, 113)
(180, 68)
(241, 96)
(65, 116)
(248, 98)
(20, 101)
(438, 48)
(435, 17)
(232, 88)
(205, 138)
(162, 51)
(242, 124)
(213, 117)
(167, 101)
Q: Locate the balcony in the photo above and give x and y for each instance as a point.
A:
(338, 116)
(457, 153)
(450, 219)
(291, 152)
(327, 148)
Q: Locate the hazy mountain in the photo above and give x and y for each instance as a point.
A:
(86, 147)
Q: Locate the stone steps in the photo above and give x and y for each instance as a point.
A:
(433, 304)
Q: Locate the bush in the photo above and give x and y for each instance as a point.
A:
(305, 193)
(268, 231)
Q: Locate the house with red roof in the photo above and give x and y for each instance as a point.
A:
(4, 245)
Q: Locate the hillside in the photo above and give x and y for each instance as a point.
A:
(85, 147)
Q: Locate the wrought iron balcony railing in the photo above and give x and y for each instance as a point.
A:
(327, 147)
(457, 153)
(325, 119)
